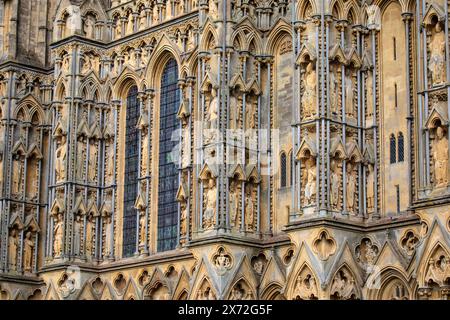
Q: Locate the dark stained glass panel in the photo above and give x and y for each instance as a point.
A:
(168, 173)
(131, 173)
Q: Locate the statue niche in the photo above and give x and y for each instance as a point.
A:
(210, 201)
(440, 157)
(13, 243)
(309, 96)
(437, 65)
(309, 174)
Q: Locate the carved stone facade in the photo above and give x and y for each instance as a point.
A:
(183, 149)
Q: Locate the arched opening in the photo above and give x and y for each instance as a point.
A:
(168, 173)
(131, 172)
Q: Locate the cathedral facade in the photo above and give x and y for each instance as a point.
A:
(224, 149)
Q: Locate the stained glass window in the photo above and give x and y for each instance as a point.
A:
(401, 147)
(283, 168)
(392, 149)
(131, 173)
(168, 173)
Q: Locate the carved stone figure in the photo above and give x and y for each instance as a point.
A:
(349, 96)
(183, 218)
(234, 113)
(89, 234)
(334, 96)
(12, 250)
(373, 16)
(58, 235)
(212, 116)
(89, 27)
(118, 29)
(222, 261)
(142, 20)
(309, 97)
(370, 188)
(77, 235)
(335, 183)
(142, 225)
(369, 95)
(17, 175)
(343, 285)
(305, 287)
(234, 204)
(108, 246)
(249, 211)
(250, 116)
(80, 160)
(440, 157)
(110, 168)
(309, 180)
(28, 245)
(74, 20)
(437, 56)
(351, 187)
(92, 164)
(186, 154)
(61, 160)
(130, 24)
(211, 201)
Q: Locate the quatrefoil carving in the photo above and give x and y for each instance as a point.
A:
(324, 245)
(409, 242)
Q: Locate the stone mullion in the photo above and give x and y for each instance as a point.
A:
(243, 143)
(425, 110)
(6, 163)
(360, 115)
(327, 113)
(342, 27)
(191, 90)
(407, 19)
(447, 64)
(376, 116)
(258, 156)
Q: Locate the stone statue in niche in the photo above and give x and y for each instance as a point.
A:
(370, 188)
(334, 96)
(186, 154)
(349, 96)
(343, 285)
(305, 287)
(142, 225)
(142, 20)
(66, 64)
(250, 115)
(130, 24)
(60, 165)
(351, 187)
(234, 112)
(335, 178)
(28, 245)
(369, 96)
(249, 210)
(58, 235)
(89, 234)
(210, 201)
(110, 169)
(222, 261)
(437, 56)
(92, 165)
(212, 116)
(13, 246)
(183, 218)
(87, 64)
(17, 174)
(206, 294)
(234, 203)
(373, 16)
(108, 233)
(440, 157)
(74, 20)
(309, 97)
(155, 15)
(77, 235)
(239, 293)
(309, 180)
(118, 29)
(89, 27)
(80, 161)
